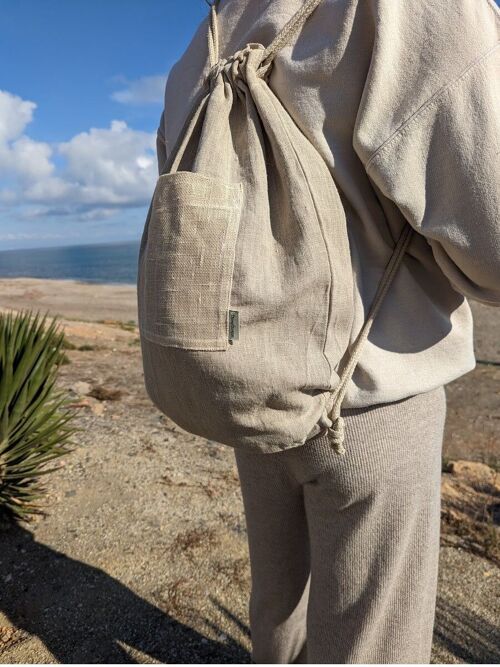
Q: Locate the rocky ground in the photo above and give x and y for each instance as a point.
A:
(142, 554)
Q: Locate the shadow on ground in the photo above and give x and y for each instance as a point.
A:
(83, 615)
(465, 634)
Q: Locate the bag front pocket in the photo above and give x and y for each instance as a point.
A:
(188, 261)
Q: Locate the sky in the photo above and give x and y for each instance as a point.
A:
(81, 94)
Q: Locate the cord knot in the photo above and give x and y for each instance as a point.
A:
(336, 433)
(216, 69)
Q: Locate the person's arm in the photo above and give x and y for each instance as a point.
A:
(441, 165)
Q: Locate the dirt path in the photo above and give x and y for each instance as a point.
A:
(143, 558)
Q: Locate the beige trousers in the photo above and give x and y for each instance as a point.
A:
(344, 549)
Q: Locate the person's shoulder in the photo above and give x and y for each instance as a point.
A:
(446, 27)
(422, 50)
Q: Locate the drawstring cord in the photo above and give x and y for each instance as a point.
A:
(281, 39)
(336, 432)
(213, 33)
(288, 31)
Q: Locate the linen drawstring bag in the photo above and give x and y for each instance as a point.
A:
(245, 287)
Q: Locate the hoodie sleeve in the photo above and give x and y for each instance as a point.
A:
(441, 164)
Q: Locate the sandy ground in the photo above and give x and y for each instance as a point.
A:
(142, 554)
(70, 298)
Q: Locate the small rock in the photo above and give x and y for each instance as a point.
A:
(475, 472)
(81, 388)
(103, 393)
(97, 408)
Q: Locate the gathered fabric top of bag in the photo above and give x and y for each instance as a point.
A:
(259, 317)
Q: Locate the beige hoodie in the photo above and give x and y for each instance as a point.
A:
(402, 99)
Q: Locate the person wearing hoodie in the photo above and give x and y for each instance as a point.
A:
(402, 101)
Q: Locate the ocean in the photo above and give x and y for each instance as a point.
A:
(97, 263)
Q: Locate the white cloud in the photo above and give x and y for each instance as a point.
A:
(113, 166)
(30, 159)
(104, 169)
(20, 155)
(15, 115)
(146, 90)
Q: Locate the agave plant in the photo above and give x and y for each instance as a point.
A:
(35, 424)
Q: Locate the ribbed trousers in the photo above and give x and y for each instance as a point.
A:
(344, 549)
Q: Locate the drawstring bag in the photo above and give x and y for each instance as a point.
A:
(245, 287)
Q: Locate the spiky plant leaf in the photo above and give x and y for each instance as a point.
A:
(35, 423)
